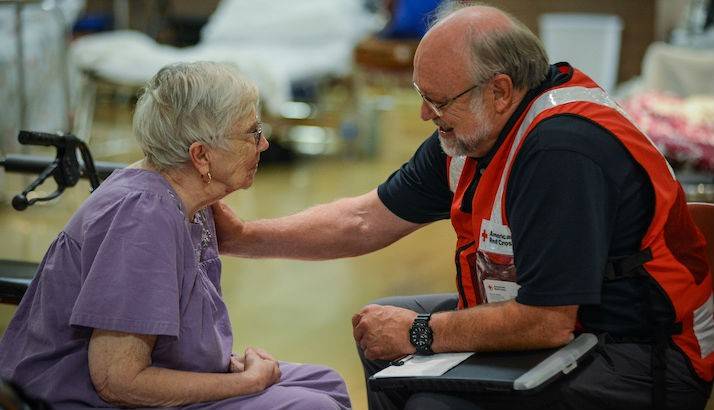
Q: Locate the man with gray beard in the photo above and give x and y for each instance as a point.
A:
(567, 218)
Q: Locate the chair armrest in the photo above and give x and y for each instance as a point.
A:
(15, 278)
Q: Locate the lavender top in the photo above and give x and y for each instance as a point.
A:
(127, 261)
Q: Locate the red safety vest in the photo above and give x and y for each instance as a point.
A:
(484, 252)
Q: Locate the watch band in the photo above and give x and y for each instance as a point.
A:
(421, 335)
(423, 317)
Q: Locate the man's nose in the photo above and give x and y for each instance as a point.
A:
(427, 114)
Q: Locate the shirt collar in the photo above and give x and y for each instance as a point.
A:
(557, 74)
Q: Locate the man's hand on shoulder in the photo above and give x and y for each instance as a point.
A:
(228, 226)
(382, 332)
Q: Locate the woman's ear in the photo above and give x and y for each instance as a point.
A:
(502, 92)
(200, 157)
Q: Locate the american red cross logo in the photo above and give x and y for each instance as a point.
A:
(484, 235)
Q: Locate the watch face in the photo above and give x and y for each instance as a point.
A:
(420, 335)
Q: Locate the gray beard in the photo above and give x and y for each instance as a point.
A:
(466, 146)
(453, 148)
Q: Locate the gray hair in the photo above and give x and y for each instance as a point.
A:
(190, 102)
(515, 51)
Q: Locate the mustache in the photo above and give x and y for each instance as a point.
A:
(441, 125)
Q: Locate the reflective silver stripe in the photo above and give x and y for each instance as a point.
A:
(704, 327)
(547, 101)
(455, 168)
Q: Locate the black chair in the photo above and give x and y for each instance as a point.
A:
(15, 278)
(13, 398)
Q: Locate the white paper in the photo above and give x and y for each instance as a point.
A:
(434, 365)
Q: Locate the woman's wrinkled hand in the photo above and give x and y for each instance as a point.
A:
(263, 372)
(263, 354)
(237, 364)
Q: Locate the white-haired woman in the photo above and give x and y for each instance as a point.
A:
(126, 308)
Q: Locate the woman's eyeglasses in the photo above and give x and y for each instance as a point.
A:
(257, 134)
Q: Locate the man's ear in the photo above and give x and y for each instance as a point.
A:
(199, 155)
(503, 93)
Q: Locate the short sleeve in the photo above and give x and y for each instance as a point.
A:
(419, 191)
(131, 268)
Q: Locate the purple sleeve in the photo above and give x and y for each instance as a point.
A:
(131, 265)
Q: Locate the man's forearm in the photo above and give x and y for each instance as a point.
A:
(503, 326)
(344, 228)
(321, 232)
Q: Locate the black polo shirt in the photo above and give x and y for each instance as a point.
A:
(575, 198)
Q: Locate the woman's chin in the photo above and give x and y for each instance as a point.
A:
(244, 184)
(228, 189)
(240, 183)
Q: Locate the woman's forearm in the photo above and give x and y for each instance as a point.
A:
(122, 373)
(159, 387)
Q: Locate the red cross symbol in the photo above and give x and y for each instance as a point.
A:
(484, 235)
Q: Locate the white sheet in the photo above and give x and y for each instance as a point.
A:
(274, 43)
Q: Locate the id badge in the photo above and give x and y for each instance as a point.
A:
(495, 270)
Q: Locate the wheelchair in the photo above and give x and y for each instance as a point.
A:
(66, 169)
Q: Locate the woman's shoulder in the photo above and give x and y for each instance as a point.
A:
(132, 196)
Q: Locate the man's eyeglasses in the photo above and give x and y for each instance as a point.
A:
(438, 108)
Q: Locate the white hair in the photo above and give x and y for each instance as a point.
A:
(190, 102)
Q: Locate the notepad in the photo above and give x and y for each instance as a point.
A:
(433, 365)
(525, 372)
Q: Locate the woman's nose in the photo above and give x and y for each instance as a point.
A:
(263, 144)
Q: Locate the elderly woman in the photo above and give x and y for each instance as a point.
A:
(126, 308)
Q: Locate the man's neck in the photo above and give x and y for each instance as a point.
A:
(501, 122)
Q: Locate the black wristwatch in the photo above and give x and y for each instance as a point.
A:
(420, 334)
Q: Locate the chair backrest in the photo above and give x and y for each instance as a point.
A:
(703, 216)
(13, 398)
